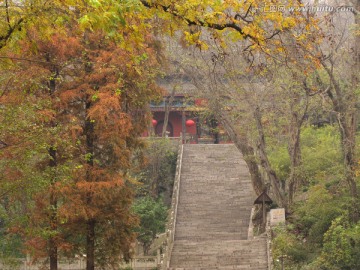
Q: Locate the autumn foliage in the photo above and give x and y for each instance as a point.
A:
(82, 98)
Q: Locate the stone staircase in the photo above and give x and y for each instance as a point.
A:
(213, 212)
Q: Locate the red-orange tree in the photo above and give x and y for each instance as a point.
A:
(29, 162)
(106, 104)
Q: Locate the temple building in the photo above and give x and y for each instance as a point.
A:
(182, 117)
(186, 115)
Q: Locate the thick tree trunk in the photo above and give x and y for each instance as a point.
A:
(90, 245)
(265, 163)
(347, 126)
(295, 157)
(53, 249)
(90, 232)
(183, 126)
(294, 149)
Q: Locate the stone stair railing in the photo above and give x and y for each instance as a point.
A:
(275, 218)
(269, 241)
(174, 205)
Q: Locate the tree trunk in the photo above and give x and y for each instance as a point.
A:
(344, 104)
(183, 126)
(347, 126)
(168, 103)
(294, 149)
(90, 245)
(53, 249)
(265, 163)
(295, 156)
(90, 232)
(146, 248)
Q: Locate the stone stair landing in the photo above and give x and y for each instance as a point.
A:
(213, 214)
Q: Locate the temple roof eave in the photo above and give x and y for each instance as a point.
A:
(178, 109)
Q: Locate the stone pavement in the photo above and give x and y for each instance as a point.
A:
(213, 215)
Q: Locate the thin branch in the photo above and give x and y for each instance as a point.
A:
(5, 38)
(6, 87)
(3, 144)
(7, 13)
(244, 17)
(216, 26)
(4, 193)
(23, 59)
(274, 34)
(308, 90)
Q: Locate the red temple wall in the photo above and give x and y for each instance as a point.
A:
(175, 120)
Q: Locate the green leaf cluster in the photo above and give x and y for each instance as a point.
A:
(320, 233)
(341, 246)
(153, 215)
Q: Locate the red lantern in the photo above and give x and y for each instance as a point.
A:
(154, 122)
(190, 123)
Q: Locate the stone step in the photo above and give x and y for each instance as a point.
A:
(213, 214)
